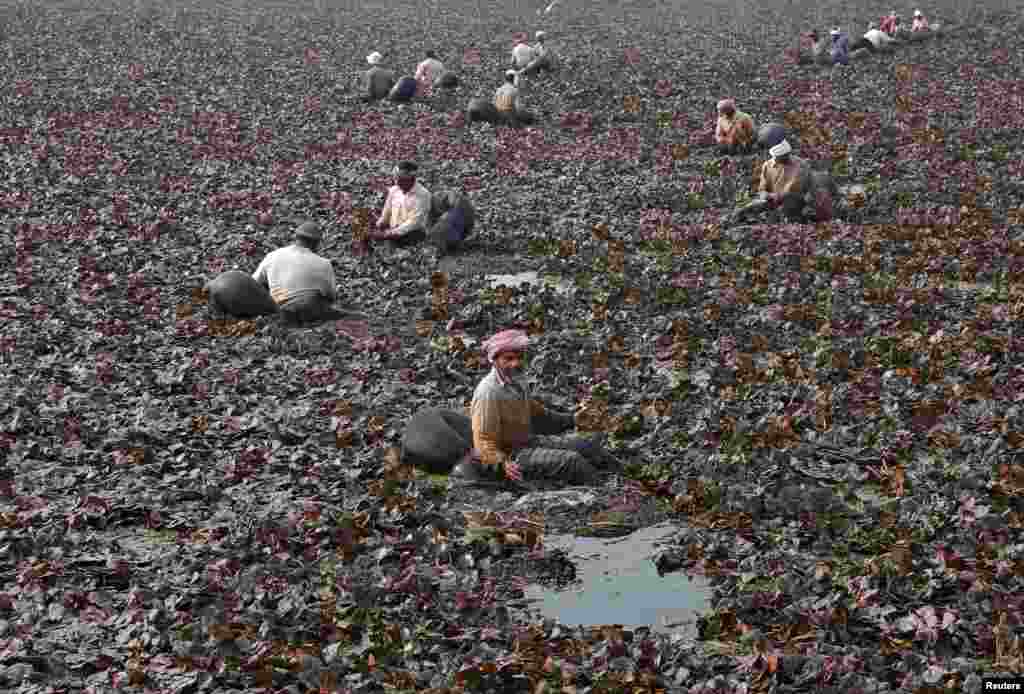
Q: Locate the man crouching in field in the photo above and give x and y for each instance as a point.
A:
(508, 427)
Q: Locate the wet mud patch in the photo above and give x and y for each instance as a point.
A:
(616, 581)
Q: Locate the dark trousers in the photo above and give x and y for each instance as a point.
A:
(309, 309)
(517, 118)
(862, 43)
(538, 65)
(791, 207)
(735, 149)
(410, 239)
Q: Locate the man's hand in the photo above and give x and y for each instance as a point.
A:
(513, 472)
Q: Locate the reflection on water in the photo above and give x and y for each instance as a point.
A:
(530, 278)
(617, 583)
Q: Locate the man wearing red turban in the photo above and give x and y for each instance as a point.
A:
(508, 426)
(734, 131)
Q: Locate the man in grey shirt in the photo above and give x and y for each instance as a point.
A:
(300, 281)
(377, 81)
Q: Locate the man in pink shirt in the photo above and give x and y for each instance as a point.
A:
(920, 23)
(428, 72)
(406, 214)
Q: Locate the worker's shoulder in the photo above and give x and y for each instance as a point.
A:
(487, 388)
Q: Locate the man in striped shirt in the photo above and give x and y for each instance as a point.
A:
(785, 184)
(514, 435)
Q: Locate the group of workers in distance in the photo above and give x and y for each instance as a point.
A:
(379, 82)
(515, 436)
(881, 37)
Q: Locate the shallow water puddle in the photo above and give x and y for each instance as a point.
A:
(530, 278)
(618, 583)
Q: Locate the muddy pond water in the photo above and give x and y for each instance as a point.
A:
(617, 583)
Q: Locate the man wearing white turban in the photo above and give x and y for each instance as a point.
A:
(786, 185)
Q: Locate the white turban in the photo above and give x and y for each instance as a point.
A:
(780, 150)
(374, 58)
(835, 32)
(540, 35)
(510, 73)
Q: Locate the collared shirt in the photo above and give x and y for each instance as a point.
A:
(295, 270)
(878, 38)
(523, 54)
(501, 413)
(781, 178)
(405, 212)
(920, 24)
(888, 24)
(736, 130)
(429, 70)
(506, 98)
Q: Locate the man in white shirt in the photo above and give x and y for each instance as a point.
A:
(523, 54)
(406, 211)
(874, 40)
(429, 71)
(300, 281)
(506, 101)
(880, 40)
(542, 58)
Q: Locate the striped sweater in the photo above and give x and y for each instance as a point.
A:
(501, 414)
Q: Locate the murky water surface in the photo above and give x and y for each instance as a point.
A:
(618, 583)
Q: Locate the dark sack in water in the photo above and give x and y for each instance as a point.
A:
(237, 294)
(482, 110)
(404, 89)
(770, 134)
(449, 200)
(436, 439)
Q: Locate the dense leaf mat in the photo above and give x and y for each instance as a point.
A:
(830, 414)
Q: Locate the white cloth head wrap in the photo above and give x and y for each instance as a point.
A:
(780, 150)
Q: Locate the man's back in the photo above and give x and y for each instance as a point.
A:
(294, 270)
(877, 38)
(523, 54)
(506, 97)
(429, 70)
